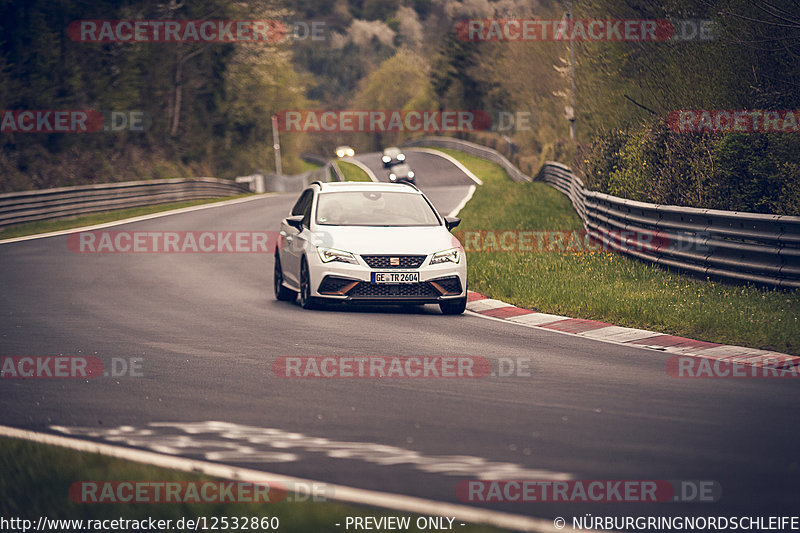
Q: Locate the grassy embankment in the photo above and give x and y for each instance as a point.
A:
(607, 286)
(352, 172)
(36, 480)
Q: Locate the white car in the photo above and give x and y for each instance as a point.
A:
(400, 173)
(369, 243)
(344, 151)
(392, 156)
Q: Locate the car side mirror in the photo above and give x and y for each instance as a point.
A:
(451, 222)
(295, 221)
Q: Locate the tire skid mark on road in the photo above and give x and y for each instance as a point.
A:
(342, 493)
(226, 441)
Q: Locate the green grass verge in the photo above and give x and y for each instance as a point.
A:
(607, 286)
(36, 479)
(46, 226)
(352, 172)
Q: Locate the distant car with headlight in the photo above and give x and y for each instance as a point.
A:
(400, 173)
(392, 156)
(344, 151)
(364, 242)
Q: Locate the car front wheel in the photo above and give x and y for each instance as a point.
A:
(454, 307)
(281, 293)
(306, 300)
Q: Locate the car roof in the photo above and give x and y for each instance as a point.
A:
(391, 149)
(401, 168)
(363, 186)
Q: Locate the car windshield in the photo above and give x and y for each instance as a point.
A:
(401, 170)
(374, 208)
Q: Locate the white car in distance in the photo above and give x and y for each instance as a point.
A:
(378, 243)
(344, 151)
(392, 156)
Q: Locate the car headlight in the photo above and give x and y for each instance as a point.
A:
(401, 157)
(351, 152)
(392, 177)
(411, 174)
(453, 255)
(386, 159)
(330, 254)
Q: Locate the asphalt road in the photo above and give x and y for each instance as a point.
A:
(208, 330)
(443, 182)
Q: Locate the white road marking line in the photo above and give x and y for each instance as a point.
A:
(535, 319)
(539, 328)
(486, 304)
(467, 198)
(136, 219)
(618, 333)
(342, 493)
(725, 351)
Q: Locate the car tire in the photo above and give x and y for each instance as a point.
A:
(306, 300)
(281, 293)
(454, 307)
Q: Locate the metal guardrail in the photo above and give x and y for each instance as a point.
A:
(725, 244)
(731, 245)
(333, 170)
(336, 171)
(473, 149)
(29, 206)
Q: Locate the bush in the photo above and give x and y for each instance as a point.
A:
(736, 172)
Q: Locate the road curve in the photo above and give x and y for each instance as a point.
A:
(207, 330)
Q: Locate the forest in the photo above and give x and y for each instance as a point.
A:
(194, 107)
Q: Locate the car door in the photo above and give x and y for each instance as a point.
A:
(293, 240)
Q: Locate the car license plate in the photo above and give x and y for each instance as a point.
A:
(395, 277)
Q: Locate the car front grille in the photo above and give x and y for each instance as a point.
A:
(404, 290)
(385, 261)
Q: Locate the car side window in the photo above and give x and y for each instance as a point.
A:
(307, 210)
(303, 203)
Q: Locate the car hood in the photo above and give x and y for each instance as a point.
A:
(379, 240)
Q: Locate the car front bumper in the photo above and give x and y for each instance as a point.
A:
(348, 282)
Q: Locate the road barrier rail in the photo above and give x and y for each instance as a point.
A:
(737, 246)
(760, 248)
(30, 206)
